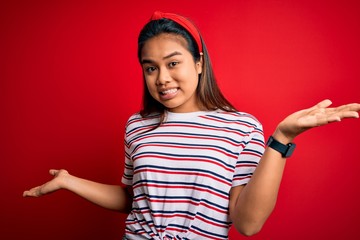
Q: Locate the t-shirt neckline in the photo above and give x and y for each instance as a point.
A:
(186, 115)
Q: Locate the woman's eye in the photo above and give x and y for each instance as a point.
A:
(150, 69)
(173, 64)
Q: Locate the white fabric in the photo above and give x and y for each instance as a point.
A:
(182, 172)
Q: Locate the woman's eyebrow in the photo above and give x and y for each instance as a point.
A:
(172, 54)
(143, 61)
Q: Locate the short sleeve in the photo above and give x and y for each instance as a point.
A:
(249, 156)
(128, 165)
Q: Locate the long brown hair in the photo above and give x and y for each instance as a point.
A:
(208, 92)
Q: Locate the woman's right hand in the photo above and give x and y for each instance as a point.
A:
(114, 197)
(51, 186)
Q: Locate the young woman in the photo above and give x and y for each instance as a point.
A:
(194, 165)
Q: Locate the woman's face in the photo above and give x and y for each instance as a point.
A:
(171, 75)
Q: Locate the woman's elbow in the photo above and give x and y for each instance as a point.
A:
(249, 233)
(249, 230)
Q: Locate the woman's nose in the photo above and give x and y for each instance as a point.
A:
(163, 77)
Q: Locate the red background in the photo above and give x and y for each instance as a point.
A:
(70, 79)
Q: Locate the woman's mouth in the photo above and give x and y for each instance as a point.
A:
(168, 93)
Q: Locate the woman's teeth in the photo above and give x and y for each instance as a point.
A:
(173, 90)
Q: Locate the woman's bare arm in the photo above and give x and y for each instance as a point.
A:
(112, 197)
(251, 205)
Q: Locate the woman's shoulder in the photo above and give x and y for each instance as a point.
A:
(138, 119)
(238, 116)
(134, 116)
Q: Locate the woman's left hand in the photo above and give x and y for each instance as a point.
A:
(318, 115)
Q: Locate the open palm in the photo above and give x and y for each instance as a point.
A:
(318, 115)
(50, 186)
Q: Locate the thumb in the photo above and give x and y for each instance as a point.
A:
(53, 172)
(323, 104)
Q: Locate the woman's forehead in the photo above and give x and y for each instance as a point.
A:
(163, 44)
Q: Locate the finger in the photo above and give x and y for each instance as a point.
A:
(354, 107)
(348, 114)
(323, 104)
(333, 119)
(348, 110)
(337, 117)
(53, 172)
(349, 107)
(34, 192)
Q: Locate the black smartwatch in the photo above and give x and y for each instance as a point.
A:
(285, 150)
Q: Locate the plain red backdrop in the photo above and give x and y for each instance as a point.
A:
(70, 79)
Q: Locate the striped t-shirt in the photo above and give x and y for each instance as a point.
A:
(181, 172)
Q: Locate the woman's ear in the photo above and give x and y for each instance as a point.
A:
(199, 64)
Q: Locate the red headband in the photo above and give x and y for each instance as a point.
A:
(184, 22)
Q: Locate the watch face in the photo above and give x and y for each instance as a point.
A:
(290, 150)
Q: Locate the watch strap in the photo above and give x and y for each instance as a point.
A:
(286, 150)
